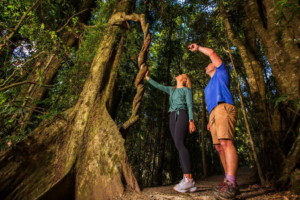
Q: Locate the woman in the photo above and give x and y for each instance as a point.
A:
(181, 121)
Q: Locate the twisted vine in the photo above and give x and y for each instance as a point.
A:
(139, 83)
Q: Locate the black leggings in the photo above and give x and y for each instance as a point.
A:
(179, 127)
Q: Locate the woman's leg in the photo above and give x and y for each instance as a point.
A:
(172, 123)
(181, 129)
(172, 126)
(187, 184)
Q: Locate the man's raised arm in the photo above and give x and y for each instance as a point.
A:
(215, 59)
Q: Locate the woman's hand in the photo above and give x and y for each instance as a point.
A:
(192, 127)
(147, 75)
(193, 47)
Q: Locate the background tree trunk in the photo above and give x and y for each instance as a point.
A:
(203, 133)
(279, 44)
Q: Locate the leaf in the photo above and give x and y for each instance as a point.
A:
(280, 99)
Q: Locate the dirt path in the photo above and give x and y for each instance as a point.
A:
(249, 191)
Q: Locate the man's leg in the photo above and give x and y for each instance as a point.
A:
(221, 152)
(225, 119)
(213, 130)
(230, 188)
(219, 149)
(225, 122)
(231, 157)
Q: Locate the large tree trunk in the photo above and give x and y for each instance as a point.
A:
(81, 148)
(278, 32)
(281, 46)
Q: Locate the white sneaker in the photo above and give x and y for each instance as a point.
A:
(185, 185)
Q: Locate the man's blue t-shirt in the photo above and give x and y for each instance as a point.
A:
(217, 90)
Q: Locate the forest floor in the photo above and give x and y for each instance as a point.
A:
(249, 190)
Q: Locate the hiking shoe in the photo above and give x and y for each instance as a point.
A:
(185, 185)
(227, 192)
(219, 186)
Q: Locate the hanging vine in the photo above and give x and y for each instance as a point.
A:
(139, 83)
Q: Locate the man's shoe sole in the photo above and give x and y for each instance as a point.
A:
(215, 189)
(193, 189)
(223, 198)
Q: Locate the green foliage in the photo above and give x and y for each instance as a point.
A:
(286, 6)
(25, 52)
(8, 108)
(280, 99)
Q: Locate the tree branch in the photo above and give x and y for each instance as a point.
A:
(22, 83)
(122, 16)
(10, 76)
(82, 11)
(17, 84)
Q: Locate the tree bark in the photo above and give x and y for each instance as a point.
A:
(281, 47)
(84, 142)
(290, 162)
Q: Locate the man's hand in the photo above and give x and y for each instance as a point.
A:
(193, 47)
(208, 127)
(192, 127)
(147, 76)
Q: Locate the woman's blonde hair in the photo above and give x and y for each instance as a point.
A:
(188, 82)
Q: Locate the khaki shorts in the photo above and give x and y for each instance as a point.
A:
(222, 121)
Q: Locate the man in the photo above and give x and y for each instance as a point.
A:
(222, 119)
